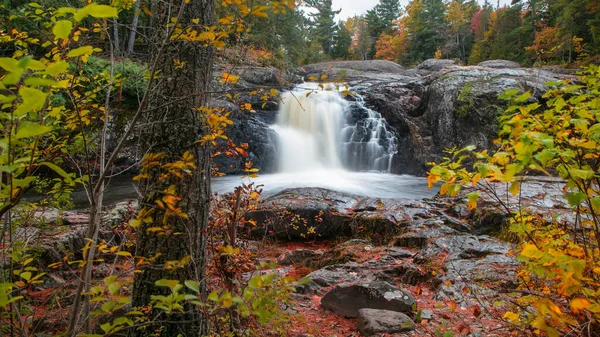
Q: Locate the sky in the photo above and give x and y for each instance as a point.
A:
(358, 7)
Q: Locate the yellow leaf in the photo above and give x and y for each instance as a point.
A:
(530, 251)
(511, 316)
(579, 304)
(514, 188)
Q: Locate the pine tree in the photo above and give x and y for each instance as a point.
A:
(428, 29)
(322, 23)
(343, 40)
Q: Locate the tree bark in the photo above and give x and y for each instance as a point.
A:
(174, 130)
(134, 24)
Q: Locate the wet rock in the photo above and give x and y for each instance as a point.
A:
(418, 234)
(464, 102)
(385, 268)
(75, 218)
(45, 216)
(304, 213)
(462, 247)
(305, 257)
(348, 251)
(252, 129)
(378, 66)
(399, 253)
(120, 212)
(427, 315)
(409, 273)
(499, 64)
(379, 227)
(347, 298)
(373, 321)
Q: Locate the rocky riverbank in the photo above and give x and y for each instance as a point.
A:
(432, 107)
(398, 266)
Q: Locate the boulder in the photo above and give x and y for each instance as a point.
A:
(304, 213)
(373, 66)
(463, 103)
(379, 227)
(436, 64)
(347, 298)
(252, 129)
(373, 321)
(499, 64)
(306, 257)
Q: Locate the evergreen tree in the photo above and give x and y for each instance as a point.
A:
(428, 29)
(322, 23)
(343, 40)
(283, 34)
(380, 19)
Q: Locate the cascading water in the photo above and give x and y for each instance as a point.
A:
(320, 130)
(329, 142)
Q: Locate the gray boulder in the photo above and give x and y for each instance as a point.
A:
(373, 321)
(499, 64)
(304, 213)
(463, 103)
(436, 64)
(347, 298)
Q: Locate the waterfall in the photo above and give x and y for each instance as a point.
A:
(320, 130)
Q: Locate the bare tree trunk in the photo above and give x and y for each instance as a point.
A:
(116, 35)
(174, 130)
(134, 24)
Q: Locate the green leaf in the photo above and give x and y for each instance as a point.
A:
(97, 11)
(256, 282)
(85, 50)
(576, 198)
(60, 171)
(28, 129)
(29, 63)
(581, 174)
(9, 64)
(59, 67)
(26, 275)
(33, 100)
(38, 81)
(213, 296)
(193, 285)
(523, 97)
(62, 29)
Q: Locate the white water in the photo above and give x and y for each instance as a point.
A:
(318, 129)
(309, 130)
(327, 141)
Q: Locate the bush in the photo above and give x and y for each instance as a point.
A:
(560, 273)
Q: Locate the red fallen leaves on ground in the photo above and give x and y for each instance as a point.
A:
(308, 317)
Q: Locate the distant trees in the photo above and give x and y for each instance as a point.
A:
(363, 40)
(342, 42)
(527, 31)
(323, 26)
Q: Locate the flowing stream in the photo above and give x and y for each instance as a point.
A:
(327, 141)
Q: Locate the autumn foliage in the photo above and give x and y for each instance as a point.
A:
(560, 270)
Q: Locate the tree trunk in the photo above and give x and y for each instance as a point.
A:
(116, 35)
(174, 130)
(134, 24)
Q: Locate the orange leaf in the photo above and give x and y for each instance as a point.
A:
(452, 305)
(579, 304)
